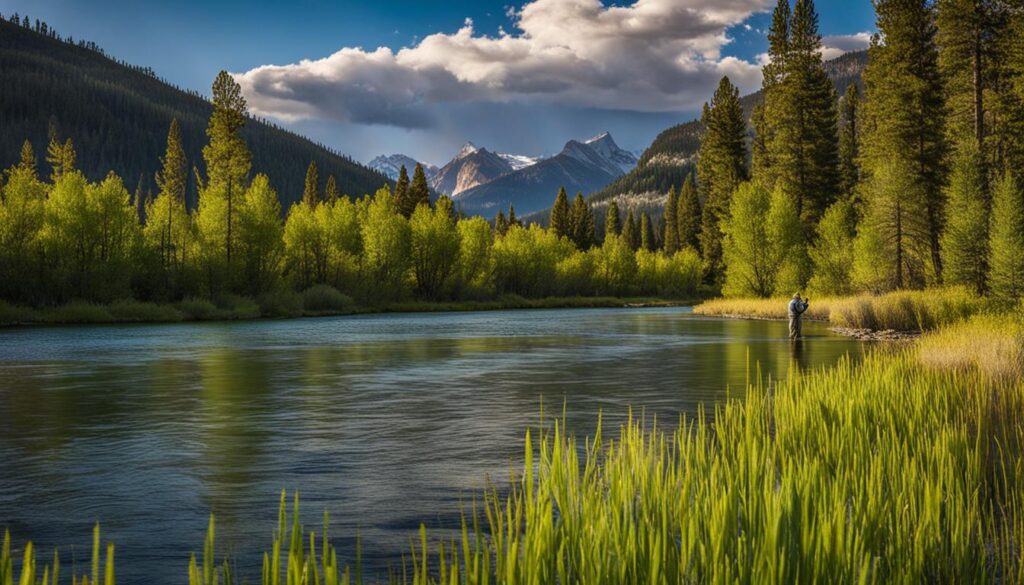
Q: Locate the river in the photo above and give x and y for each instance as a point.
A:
(384, 421)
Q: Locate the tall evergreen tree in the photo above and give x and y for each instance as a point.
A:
(647, 241)
(965, 239)
(169, 208)
(419, 192)
(331, 193)
(903, 125)
(512, 219)
(688, 215)
(764, 116)
(670, 221)
(311, 190)
(612, 221)
(500, 224)
(1007, 239)
(849, 171)
(630, 232)
(561, 216)
(401, 192)
(227, 166)
(721, 167)
(28, 158)
(582, 223)
(803, 145)
(61, 158)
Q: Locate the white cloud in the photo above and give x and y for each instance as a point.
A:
(835, 45)
(650, 56)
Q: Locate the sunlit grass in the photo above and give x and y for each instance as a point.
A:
(990, 344)
(900, 310)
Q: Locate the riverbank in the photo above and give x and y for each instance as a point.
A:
(899, 314)
(244, 309)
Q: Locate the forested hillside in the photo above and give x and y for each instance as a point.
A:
(668, 159)
(117, 116)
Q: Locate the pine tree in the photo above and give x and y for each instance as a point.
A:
(500, 224)
(670, 221)
(647, 241)
(630, 232)
(582, 221)
(561, 219)
(849, 172)
(512, 219)
(169, 208)
(965, 239)
(419, 192)
(401, 192)
(227, 166)
(803, 145)
(60, 157)
(311, 190)
(28, 158)
(1007, 243)
(903, 138)
(764, 116)
(721, 167)
(331, 193)
(688, 215)
(612, 221)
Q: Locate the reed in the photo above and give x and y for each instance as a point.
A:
(915, 311)
(990, 344)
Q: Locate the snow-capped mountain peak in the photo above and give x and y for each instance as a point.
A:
(520, 161)
(466, 150)
(390, 165)
(605, 146)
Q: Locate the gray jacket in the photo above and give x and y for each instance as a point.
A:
(796, 308)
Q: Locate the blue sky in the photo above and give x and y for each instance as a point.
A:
(530, 104)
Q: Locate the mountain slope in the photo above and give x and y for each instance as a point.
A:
(578, 168)
(118, 115)
(604, 145)
(471, 167)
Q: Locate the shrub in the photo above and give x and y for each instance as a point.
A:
(132, 310)
(281, 303)
(325, 299)
(196, 308)
(79, 312)
(14, 314)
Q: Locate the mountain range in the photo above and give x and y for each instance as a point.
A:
(117, 115)
(483, 182)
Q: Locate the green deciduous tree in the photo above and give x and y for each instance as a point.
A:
(260, 236)
(434, 246)
(750, 266)
(21, 219)
(787, 244)
(386, 238)
(832, 252)
(475, 266)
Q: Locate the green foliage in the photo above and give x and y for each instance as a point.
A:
(1007, 239)
(849, 126)
(311, 191)
(386, 239)
(832, 253)
(676, 276)
(325, 299)
(688, 213)
(721, 167)
(750, 266)
(476, 263)
(647, 241)
(260, 236)
(435, 247)
(419, 192)
(630, 231)
(525, 261)
(306, 244)
(965, 242)
(671, 222)
(612, 219)
(561, 216)
(581, 223)
(787, 247)
(614, 267)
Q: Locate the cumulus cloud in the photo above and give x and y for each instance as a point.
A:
(650, 56)
(835, 45)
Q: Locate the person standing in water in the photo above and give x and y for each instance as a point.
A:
(797, 306)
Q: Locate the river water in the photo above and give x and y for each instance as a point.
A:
(384, 421)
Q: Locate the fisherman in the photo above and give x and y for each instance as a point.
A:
(796, 309)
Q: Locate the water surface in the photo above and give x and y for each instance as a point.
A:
(384, 421)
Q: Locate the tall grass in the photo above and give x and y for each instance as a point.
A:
(886, 472)
(990, 344)
(49, 574)
(900, 310)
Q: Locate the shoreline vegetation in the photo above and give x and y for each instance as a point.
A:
(234, 308)
(905, 467)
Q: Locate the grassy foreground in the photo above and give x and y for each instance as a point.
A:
(905, 468)
(918, 311)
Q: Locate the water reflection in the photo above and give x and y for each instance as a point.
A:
(384, 421)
